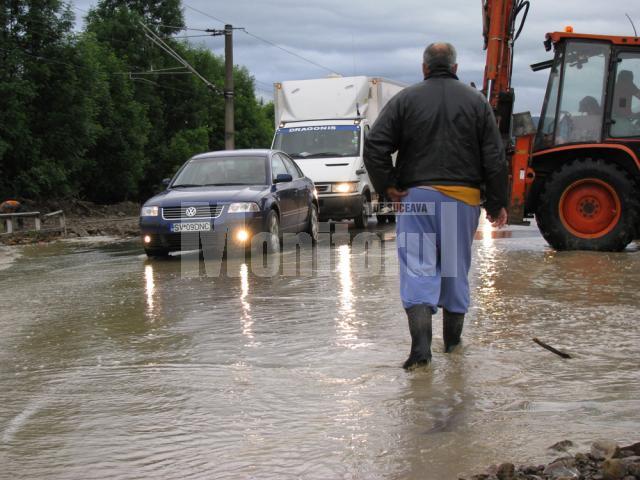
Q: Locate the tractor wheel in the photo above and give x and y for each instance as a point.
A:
(588, 205)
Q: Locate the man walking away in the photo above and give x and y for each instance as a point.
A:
(450, 155)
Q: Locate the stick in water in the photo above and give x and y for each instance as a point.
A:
(551, 349)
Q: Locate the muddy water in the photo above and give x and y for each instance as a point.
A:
(112, 366)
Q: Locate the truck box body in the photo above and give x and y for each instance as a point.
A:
(322, 124)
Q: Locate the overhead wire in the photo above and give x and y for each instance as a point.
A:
(268, 42)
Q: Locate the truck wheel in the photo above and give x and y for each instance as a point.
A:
(362, 220)
(588, 205)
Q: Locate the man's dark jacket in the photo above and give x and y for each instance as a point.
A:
(445, 134)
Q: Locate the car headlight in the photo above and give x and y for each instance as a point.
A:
(149, 211)
(243, 207)
(347, 187)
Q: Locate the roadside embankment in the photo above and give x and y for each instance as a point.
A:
(83, 219)
(605, 461)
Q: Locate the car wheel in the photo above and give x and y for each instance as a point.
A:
(156, 252)
(273, 229)
(313, 226)
(382, 219)
(362, 220)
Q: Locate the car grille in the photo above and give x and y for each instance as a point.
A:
(323, 188)
(202, 211)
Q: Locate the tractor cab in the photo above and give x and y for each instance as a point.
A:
(593, 92)
(583, 173)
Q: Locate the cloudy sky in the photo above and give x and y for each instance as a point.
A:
(386, 38)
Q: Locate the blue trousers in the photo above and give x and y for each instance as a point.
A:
(434, 237)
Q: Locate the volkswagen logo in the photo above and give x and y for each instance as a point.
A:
(191, 212)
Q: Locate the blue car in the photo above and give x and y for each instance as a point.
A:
(240, 192)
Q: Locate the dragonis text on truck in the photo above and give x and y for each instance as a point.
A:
(578, 172)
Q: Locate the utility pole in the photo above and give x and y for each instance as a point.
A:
(229, 124)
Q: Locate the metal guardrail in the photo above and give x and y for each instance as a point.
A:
(11, 220)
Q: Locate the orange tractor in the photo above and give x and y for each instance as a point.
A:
(578, 171)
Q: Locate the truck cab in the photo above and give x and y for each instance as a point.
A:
(330, 153)
(322, 124)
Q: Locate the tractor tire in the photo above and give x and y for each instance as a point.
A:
(588, 204)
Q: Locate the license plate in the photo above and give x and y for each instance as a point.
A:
(191, 227)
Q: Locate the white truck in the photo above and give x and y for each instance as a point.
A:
(322, 125)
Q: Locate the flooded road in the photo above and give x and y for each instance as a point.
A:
(113, 366)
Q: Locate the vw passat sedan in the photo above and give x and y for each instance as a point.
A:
(240, 192)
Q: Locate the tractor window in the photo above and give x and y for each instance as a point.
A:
(582, 93)
(547, 126)
(625, 107)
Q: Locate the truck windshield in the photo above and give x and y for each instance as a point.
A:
(319, 141)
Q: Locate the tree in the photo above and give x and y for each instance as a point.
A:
(91, 115)
(117, 157)
(47, 126)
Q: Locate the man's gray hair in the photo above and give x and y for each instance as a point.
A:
(440, 54)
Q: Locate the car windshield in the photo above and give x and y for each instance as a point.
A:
(319, 142)
(232, 170)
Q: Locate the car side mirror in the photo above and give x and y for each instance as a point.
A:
(283, 178)
(166, 181)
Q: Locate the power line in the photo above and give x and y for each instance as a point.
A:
(194, 36)
(263, 40)
(162, 44)
(205, 14)
(154, 73)
(289, 51)
(181, 28)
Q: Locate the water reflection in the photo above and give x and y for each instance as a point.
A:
(346, 327)
(486, 271)
(487, 232)
(245, 318)
(150, 288)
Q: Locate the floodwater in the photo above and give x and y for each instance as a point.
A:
(113, 366)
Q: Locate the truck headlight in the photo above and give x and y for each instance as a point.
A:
(346, 187)
(243, 207)
(149, 211)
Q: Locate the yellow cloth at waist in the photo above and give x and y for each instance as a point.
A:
(468, 195)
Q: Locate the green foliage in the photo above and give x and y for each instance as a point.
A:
(81, 115)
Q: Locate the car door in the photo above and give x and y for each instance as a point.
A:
(285, 193)
(303, 196)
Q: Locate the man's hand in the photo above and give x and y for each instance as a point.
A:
(499, 220)
(396, 195)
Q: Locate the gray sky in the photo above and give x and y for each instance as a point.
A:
(386, 38)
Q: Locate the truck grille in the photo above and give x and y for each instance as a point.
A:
(201, 211)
